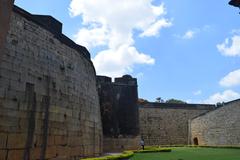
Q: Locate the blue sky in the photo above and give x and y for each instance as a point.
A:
(188, 50)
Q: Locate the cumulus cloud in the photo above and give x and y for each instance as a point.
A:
(116, 62)
(198, 92)
(231, 79)
(189, 34)
(111, 24)
(154, 29)
(230, 47)
(227, 95)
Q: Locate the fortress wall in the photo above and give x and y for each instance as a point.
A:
(121, 143)
(49, 106)
(219, 127)
(167, 124)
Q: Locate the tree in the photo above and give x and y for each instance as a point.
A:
(159, 100)
(175, 101)
(142, 101)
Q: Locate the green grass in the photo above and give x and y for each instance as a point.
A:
(187, 153)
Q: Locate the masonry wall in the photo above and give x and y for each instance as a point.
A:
(121, 143)
(219, 127)
(49, 107)
(167, 124)
(118, 102)
(119, 110)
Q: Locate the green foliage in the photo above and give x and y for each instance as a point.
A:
(159, 100)
(176, 101)
(142, 101)
(152, 150)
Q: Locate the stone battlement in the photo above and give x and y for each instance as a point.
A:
(124, 80)
(54, 26)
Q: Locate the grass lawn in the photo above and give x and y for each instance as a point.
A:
(187, 153)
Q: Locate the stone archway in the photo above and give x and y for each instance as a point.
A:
(195, 141)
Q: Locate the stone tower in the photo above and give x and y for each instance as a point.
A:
(119, 110)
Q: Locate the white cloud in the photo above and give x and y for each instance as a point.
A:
(227, 95)
(189, 34)
(111, 24)
(228, 48)
(198, 92)
(235, 31)
(111, 62)
(139, 75)
(92, 37)
(154, 29)
(232, 79)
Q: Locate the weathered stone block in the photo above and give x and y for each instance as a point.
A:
(16, 141)
(3, 140)
(15, 154)
(3, 154)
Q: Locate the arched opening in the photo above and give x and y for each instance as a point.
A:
(195, 141)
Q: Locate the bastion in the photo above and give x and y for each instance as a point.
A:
(49, 106)
(219, 127)
(119, 112)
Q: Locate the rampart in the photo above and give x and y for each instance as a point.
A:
(167, 124)
(218, 127)
(49, 106)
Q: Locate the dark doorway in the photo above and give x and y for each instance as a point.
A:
(195, 141)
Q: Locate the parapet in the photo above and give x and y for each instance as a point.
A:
(49, 22)
(178, 106)
(104, 79)
(126, 80)
(55, 27)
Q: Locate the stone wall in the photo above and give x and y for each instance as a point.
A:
(167, 124)
(121, 144)
(218, 127)
(5, 12)
(49, 107)
(118, 102)
(119, 112)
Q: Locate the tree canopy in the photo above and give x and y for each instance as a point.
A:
(175, 101)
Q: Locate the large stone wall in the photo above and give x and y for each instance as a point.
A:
(167, 124)
(218, 127)
(49, 107)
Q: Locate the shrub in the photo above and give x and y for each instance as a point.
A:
(153, 149)
(124, 155)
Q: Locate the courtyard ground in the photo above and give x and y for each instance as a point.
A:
(187, 153)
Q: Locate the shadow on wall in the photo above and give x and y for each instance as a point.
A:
(5, 13)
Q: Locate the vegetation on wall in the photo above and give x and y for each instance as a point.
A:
(176, 101)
